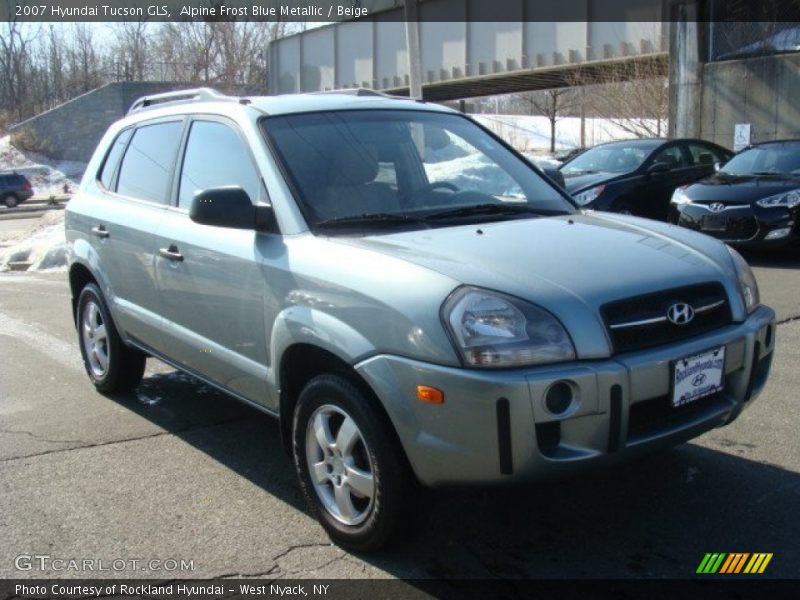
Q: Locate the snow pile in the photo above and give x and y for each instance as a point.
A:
(47, 176)
(43, 245)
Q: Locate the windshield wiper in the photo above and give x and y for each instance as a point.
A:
(371, 219)
(488, 209)
(581, 172)
(775, 174)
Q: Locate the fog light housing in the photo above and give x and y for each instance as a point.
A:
(559, 398)
(777, 234)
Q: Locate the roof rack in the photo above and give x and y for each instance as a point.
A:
(361, 92)
(191, 95)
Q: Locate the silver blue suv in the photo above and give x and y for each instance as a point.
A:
(416, 303)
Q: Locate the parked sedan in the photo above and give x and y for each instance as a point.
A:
(754, 200)
(638, 176)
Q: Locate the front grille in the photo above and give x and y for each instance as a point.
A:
(656, 416)
(738, 228)
(640, 322)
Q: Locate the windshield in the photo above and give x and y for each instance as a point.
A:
(401, 168)
(616, 158)
(780, 159)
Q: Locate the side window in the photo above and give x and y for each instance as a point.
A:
(216, 156)
(147, 165)
(672, 157)
(705, 155)
(112, 158)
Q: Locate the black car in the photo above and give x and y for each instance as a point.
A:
(14, 188)
(638, 176)
(754, 200)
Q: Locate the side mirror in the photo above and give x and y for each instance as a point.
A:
(556, 175)
(718, 165)
(231, 207)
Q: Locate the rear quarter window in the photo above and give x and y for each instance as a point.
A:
(149, 161)
(106, 175)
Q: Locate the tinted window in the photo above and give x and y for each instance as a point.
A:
(781, 157)
(672, 157)
(110, 164)
(609, 158)
(340, 163)
(706, 155)
(215, 156)
(146, 168)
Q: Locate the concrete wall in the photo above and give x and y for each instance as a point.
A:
(761, 91)
(72, 130)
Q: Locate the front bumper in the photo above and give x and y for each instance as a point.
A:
(493, 426)
(746, 225)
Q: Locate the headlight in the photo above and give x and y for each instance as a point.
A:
(679, 196)
(494, 330)
(590, 195)
(787, 200)
(747, 281)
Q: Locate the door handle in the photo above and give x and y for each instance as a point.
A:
(171, 253)
(100, 231)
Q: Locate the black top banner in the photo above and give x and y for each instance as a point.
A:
(394, 10)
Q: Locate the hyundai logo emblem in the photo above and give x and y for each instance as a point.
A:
(716, 207)
(680, 313)
(699, 379)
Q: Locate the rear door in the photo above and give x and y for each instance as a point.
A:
(210, 278)
(136, 178)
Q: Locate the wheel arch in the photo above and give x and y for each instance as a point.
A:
(299, 364)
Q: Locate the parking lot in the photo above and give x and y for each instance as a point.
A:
(179, 472)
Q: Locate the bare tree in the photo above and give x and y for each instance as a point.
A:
(131, 49)
(553, 104)
(636, 102)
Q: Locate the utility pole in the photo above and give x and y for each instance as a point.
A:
(412, 42)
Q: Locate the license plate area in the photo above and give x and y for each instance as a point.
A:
(715, 223)
(697, 376)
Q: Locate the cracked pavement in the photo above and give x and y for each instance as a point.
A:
(179, 471)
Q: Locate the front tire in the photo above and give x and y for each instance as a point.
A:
(351, 468)
(111, 365)
(10, 200)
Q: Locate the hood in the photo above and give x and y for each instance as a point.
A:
(739, 189)
(580, 182)
(570, 265)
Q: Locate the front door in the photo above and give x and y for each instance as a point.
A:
(210, 279)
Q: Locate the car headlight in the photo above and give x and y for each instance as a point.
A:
(679, 196)
(747, 281)
(786, 200)
(590, 195)
(491, 329)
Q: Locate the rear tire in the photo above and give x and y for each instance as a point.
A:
(112, 366)
(10, 200)
(351, 467)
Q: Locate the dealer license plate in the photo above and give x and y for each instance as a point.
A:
(697, 376)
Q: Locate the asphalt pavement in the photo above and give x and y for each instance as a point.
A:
(179, 472)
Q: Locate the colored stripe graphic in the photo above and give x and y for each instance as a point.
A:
(733, 563)
(758, 563)
(711, 562)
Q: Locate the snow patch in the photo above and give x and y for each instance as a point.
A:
(43, 245)
(47, 176)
